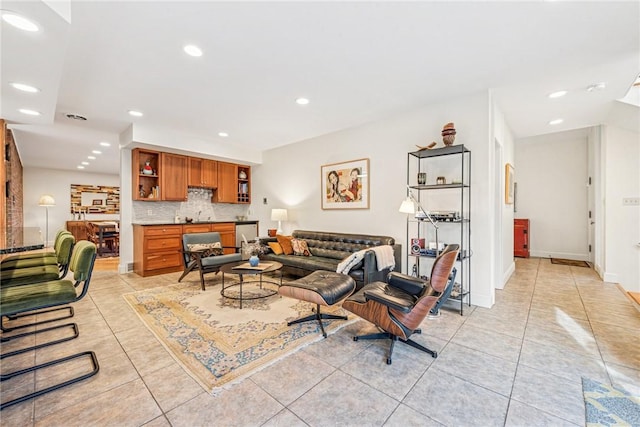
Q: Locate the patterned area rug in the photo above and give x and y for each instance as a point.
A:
(571, 262)
(608, 406)
(218, 343)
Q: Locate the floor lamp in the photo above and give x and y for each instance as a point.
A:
(46, 200)
(279, 215)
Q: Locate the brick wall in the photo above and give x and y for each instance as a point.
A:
(14, 211)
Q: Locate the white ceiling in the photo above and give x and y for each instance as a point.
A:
(356, 62)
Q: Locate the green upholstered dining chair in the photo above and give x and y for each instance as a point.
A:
(29, 255)
(17, 300)
(62, 256)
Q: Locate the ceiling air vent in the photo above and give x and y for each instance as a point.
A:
(76, 117)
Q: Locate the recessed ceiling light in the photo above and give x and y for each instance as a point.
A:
(74, 116)
(193, 50)
(223, 134)
(96, 152)
(556, 121)
(29, 112)
(25, 88)
(105, 144)
(80, 167)
(597, 86)
(85, 163)
(91, 157)
(558, 94)
(19, 21)
(135, 113)
(302, 101)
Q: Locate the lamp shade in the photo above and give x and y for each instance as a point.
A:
(46, 200)
(407, 206)
(278, 214)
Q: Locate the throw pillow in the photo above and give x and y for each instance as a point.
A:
(206, 249)
(300, 247)
(276, 248)
(285, 242)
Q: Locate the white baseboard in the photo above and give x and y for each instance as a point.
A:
(610, 277)
(563, 255)
(507, 275)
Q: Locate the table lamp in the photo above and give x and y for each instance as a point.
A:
(412, 206)
(46, 200)
(279, 215)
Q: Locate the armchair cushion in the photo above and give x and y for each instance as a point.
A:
(205, 249)
(389, 296)
(409, 284)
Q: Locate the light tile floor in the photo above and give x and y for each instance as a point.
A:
(517, 364)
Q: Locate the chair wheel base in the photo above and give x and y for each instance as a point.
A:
(434, 355)
(355, 338)
(388, 361)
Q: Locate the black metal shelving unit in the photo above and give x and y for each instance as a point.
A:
(458, 171)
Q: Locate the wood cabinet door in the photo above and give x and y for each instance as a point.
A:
(174, 177)
(227, 182)
(209, 173)
(195, 172)
(227, 232)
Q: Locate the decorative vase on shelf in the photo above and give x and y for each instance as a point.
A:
(242, 175)
(254, 260)
(448, 134)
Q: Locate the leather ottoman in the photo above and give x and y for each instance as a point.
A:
(321, 288)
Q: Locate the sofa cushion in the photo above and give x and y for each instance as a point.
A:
(276, 248)
(300, 247)
(285, 242)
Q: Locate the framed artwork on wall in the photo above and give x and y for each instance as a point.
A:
(345, 185)
(509, 184)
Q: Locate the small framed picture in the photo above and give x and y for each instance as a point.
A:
(345, 185)
(96, 202)
(509, 184)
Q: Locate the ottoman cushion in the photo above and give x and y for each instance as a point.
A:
(320, 287)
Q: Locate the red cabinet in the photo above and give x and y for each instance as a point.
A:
(521, 238)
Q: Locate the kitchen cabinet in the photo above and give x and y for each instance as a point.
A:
(157, 249)
(203, 173)
(173, 177)
(227, 232)
(234, 183)
(227, 180)
(145, 168)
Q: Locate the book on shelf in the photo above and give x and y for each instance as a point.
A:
(246, 266)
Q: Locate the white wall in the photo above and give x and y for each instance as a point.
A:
(290, 177)
(552, 180)
(503, 149)
(38, 181)
(621, 154)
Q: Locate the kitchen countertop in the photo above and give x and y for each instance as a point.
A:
(192, 223)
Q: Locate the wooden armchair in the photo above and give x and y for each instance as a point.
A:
(200, 253)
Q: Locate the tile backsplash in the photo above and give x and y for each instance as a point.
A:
(198, 206)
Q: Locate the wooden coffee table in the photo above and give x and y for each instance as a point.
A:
(236, 268)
